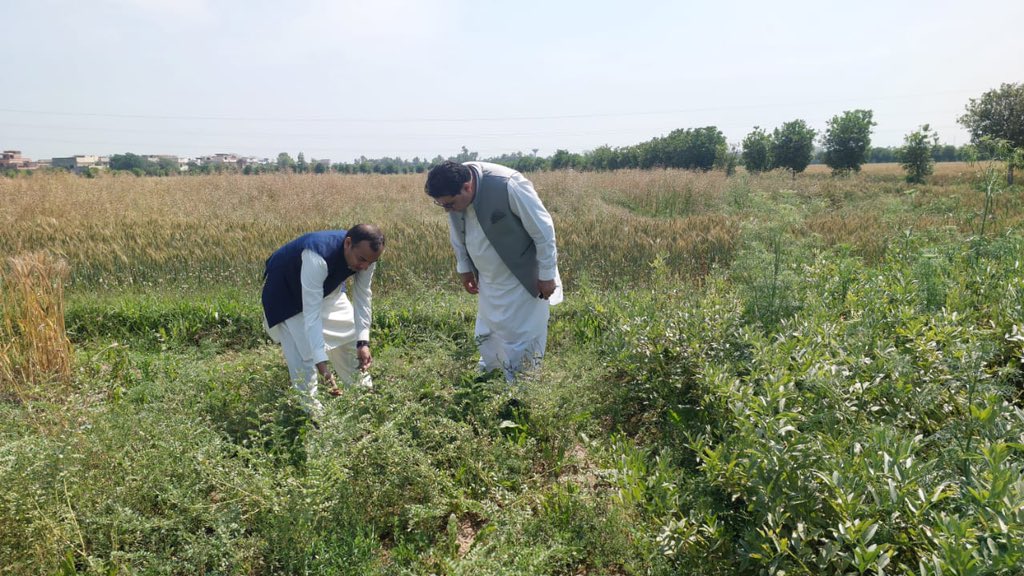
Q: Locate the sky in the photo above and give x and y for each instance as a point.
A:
(340, 79)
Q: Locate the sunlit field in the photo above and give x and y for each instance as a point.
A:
(180, 234)
(753, 374)
(944, 171)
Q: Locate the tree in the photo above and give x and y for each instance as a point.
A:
(169, 166)
(142, 166)
(998, 115)
(301, 166)
(129, 162)
(602, 158)
(879, 154)
(564, 159)
(945, 153)
(704, 149)
(285, 162)
(757, 151)
(793, 146)
(916, 154)
(847, 141)
(464, 155)
(727, 157)
(691, 149)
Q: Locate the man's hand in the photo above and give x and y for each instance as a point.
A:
(546, 288)
(469, 282)
(365, 357)
(327, 375)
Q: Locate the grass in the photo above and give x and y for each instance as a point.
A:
(750, 375)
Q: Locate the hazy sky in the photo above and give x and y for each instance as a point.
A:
(344, 78)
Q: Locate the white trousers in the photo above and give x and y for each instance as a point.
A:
(340, 344)
(513, 346)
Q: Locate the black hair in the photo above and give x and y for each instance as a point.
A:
(368, 232)
(446, 179)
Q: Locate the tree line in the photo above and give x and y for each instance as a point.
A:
(995, 122)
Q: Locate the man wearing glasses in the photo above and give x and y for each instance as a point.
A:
(504, 242)
(305, 308)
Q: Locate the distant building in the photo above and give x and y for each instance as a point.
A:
(221, 158)
(78, 163)
(14, 159)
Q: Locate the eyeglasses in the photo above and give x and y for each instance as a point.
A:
(446, 205)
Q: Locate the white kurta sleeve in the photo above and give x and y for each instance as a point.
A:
(463, 263)
(312, 276)
(362, 301)
(525, 203)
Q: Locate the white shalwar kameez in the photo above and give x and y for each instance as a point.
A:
(327, 329)
(511, 324)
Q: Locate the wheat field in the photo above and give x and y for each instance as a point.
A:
(186, 233)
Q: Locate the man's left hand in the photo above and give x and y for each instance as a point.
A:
(546, 288)
(365, 357)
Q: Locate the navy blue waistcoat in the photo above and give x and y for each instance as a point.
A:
(282, 287)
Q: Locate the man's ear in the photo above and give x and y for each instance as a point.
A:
(348, 243)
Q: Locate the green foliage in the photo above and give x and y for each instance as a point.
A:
(883, 154)
(691, 149)
(154, 323)
(999, 114)
(793, 146)
(847, 141)
(916, 154)
(142, 166)
(727, 158)
(133, 488)
(757, 151)
(602, 158)
(800, 408)
(841, 443)
(766, 278)
(285, 163)
(563, 159)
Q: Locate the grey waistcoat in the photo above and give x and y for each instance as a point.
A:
(504, 230)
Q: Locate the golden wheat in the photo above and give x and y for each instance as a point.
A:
(34, 347)
(188, 233)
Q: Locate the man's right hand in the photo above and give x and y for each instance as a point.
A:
(328, 378)
(469, 282)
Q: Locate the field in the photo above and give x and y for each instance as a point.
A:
(752, 374)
